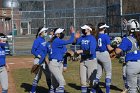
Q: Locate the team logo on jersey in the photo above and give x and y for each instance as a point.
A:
(85, 42)
(2, 53)
(43, 44)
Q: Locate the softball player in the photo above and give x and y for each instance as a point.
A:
(88, 63)
(56, 57)
(3, 71)
(54, 81)
(40, 50)
(103, 57)
(130, 45)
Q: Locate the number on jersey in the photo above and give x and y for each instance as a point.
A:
(99, 42)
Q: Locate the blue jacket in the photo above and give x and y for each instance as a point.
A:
(59, 47)
(40, 48)
(126, 45)
(2, 54)
(88, 43)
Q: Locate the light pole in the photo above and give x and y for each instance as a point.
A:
(121, 17)
(44, 10)
(13, 41)
(74, 15)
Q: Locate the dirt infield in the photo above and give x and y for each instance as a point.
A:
(17, 63)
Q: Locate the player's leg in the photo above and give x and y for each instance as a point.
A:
(83, 77)
(36, 78)
(99, 66)
(99, 71)
(4, 79)
(124, 78)
(138, 83)
(92, 71)
(107, 65)
(106, 61)
(132, 70)
(60, 89)
(54, 67)
(54, 85)
(47, 74)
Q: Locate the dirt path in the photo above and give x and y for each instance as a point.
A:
(16, 63)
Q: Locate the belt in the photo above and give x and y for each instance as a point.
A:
(102, 51)
(134, 60)
(56, 60)
(2, 65)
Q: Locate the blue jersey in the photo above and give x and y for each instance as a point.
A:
(59, 47)
(2, 54)
(126, 45)
(87, 42)
(40, 48)
(50, 51)
(49, 48)
(103, 41)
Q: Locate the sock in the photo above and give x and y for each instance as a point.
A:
(4, 91)
(60, 89)
(34, 85)
(125, 82)
(51, 90)
(83, 89)
(95, 85)
(108, 82)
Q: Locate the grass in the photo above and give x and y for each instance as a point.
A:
(23, 79)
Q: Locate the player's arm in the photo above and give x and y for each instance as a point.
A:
(110, 48)
(65, 64)
(108, 44)
(65, 42)
(122, 47)
(118, 50)
(34, 48)
(7, 67)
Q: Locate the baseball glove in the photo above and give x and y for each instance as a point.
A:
(70, 53)
(35, 68)
(112, 54)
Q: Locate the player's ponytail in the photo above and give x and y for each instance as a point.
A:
(37, 34)
(52, 39)
(137, 37)
(93, 32)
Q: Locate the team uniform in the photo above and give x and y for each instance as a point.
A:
(104, 60)
(3, 71)
(56, 61)
(132, 59)
(54, 82)
(40, 47)
(88, 63)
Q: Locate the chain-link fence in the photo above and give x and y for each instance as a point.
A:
(32, 14)
(52, 14)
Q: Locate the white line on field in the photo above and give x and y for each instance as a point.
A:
(11, 63)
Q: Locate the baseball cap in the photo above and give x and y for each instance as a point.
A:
(43, 29)
(103, 25)
(59, 30)
(86, 27)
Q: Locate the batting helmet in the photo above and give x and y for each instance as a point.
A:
(133, 25)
